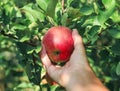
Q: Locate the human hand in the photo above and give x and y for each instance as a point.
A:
(76, 74)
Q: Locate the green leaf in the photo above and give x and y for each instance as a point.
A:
(37, 50)
(42, 4)
(51, 8)
(92, 20)
(53, 88)
(51, 20)
(30, 49)
(25, 38)
(23, 85)
(108, 3)
(23, 35)
(93, 31)
(8, 9)
(69, 2)
(33, 13)
(110, 7)
(114, 32)
(86, 10)
(92, 34)
(19, 27)
(116, 48)
(116, 16)
(64, 19)
(73, 13)
(96, 9)
(118, 69)
(33, 71)
(22, 47)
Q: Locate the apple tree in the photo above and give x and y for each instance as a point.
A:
(23, 24)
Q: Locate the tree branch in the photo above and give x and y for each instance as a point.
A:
(13, 37)
(63, 4)
(8, 35)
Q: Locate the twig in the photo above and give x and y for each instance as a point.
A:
(30, 43)
(102, 30)
(63, 4)
(13, 37)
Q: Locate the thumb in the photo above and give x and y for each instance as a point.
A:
(79, 50)
(78, 43)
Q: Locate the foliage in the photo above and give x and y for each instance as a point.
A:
(23, 24)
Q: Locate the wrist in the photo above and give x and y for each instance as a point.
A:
(88, 87)
(91, 83)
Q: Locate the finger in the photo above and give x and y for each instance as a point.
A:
(52, 70)
(44, 57)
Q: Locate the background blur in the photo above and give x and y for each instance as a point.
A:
(24, 22)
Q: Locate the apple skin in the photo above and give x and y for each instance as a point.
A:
(59, 43)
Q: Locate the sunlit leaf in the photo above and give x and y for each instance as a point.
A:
(42, 4)
(37, 50)
(51, 8)
(114, 32)
(69, 2)
(116, 16)
(19, 27)
(32, 13)
(108, 3)
(86, 10)
(110, 7)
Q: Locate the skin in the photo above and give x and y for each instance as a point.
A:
(76, 74)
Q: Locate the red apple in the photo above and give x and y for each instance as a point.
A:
(59, 43)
